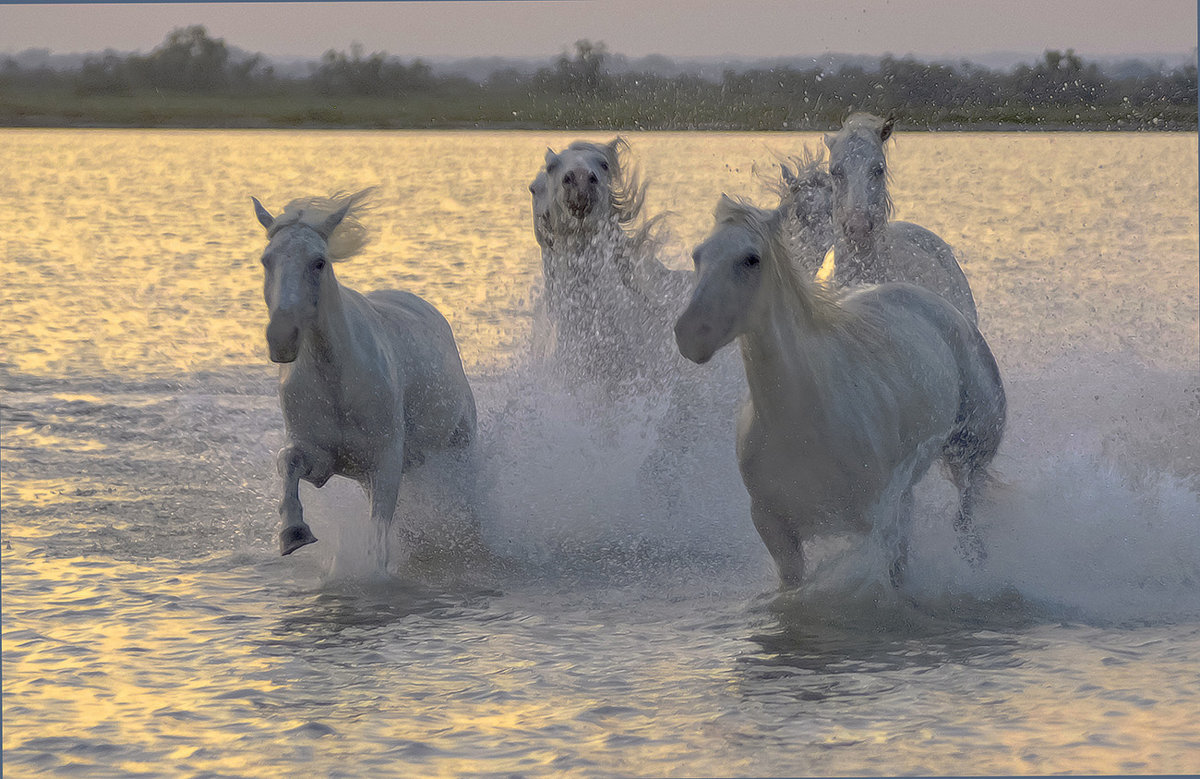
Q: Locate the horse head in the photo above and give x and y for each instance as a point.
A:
(858, 169)
(297, 266)
(585, 187)
(731, 264)
(806, 202)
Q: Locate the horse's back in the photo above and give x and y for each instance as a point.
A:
(919, 256)
(982, 406)
(412, 320)
(439, 404)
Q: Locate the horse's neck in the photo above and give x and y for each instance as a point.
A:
(863, 262)
(596, 240)
(781, 351)
(812, 242)
(330, 341)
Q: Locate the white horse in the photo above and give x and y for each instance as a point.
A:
(806, 203)
(868, 249)
(369, 384)
(608, 297)
(852, 395)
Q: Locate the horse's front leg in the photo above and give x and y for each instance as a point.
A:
(297, 462)
(383, 488)
(782, 541)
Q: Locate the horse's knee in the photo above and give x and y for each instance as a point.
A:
(305, 463)
(291, 461)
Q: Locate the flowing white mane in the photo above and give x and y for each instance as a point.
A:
(349, 238)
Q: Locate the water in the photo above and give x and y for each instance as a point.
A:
(149, 627)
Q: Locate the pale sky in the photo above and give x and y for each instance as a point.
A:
(675, 28)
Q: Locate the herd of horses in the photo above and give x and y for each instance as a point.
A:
(857, 382)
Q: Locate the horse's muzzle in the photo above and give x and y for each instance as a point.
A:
(283, 341)
(579, 203)
(695, 340)
(858, 228)
(580, 190)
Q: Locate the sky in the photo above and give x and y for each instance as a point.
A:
(748, 29)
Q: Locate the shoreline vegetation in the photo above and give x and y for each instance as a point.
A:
(195, 81)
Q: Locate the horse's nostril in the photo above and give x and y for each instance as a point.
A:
(569, 178)
(592, 179)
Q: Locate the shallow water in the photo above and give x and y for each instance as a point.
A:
(149, 627)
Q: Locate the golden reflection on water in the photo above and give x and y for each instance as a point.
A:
(163, 671)
(135, 252)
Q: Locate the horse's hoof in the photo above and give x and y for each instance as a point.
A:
(292, 538)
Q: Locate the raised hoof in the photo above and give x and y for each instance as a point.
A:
(292, 538)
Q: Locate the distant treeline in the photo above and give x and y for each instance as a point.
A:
(195, 80)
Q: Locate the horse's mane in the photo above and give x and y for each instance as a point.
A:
(869, 127)
(814, 301)
(349, 238)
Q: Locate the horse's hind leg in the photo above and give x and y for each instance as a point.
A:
(296, 463)
(903, 528)
(970, 480)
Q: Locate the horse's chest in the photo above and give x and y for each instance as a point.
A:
(800, 472)
(337, 418)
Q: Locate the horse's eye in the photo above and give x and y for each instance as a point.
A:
(603, 165)
(750, 261)
(878, 171)
(837, 172)
(319, 265)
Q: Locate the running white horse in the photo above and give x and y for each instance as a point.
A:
(852, 395)
(608, 297)
(369, 384)
(868, 248)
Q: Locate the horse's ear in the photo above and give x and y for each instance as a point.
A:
(889, 124)
(264, 216)
(789, 178)
(830, 139)
(551, 156)
(333, 220)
